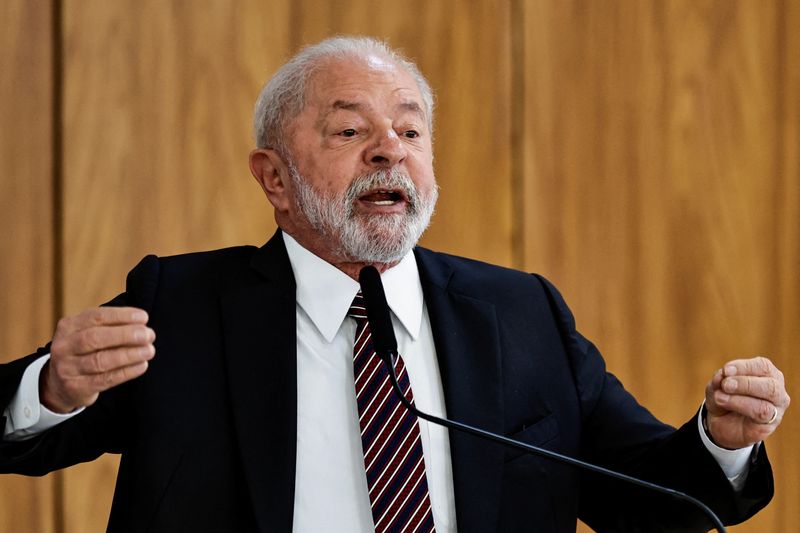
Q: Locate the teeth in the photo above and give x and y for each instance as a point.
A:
(384, 202)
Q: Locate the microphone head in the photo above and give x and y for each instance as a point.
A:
(380, 322)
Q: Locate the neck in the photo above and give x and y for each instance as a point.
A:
(320, 247)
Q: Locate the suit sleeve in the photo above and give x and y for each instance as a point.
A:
(622, 435)
(98, 429)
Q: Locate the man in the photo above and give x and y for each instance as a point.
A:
(256, 414)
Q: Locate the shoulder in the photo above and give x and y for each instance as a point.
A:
(185, 272)
(190, 266)
(482, 280)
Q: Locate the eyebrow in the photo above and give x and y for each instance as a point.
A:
(337, 105)
(412, 106)
(347, 106)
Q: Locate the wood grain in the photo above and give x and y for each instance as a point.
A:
(26, 219)
(158, 99)
(661, 192)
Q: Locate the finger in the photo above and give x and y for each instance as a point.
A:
(716, 380)
(102, 316)
(757, 410)
(768, 388)
(107, 337)
(113, 359)
(107, 380)
(757, 366)
(714, 385)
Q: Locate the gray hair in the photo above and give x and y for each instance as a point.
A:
(283, 97)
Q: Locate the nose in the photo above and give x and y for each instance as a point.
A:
(387, 150)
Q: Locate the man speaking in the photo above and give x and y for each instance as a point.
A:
(243, 392)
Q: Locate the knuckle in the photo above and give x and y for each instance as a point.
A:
(95, 316)
(88, 339)
(97, 363)
(107, 380)
(62, 325)
(745, 385)
(57, 347)
(764, 364)
(773, 389)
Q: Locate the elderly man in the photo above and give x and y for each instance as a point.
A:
(261, 406)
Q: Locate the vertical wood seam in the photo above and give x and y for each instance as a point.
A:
(517, 123)
(777, 327)
(57, 175)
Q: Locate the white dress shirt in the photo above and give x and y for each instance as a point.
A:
(331, 485)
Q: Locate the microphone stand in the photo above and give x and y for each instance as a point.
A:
(388, 358)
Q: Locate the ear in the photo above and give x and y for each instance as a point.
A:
(272, 173)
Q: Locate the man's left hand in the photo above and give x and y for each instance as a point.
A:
(746, 400)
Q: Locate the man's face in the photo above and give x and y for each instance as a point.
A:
(361, 170)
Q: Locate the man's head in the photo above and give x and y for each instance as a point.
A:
(344, 136)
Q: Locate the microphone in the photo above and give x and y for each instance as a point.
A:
(385, 345)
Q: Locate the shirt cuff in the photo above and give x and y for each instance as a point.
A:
(26, 417)
(735, 464)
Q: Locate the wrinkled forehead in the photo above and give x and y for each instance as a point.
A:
(335, 78)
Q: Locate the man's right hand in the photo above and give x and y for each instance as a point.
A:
(92, 352)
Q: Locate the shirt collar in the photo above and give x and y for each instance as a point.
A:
(325, 292)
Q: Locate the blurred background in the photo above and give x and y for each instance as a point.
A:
(642, 154)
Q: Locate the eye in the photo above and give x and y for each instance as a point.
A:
(411, 134)
(349, 132)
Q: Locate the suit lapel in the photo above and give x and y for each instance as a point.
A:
(260, 348)
(465, 333)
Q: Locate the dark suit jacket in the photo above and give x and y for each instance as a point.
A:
(208, 434)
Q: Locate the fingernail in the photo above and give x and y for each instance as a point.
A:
(730, 385)
(138, 335)
(730, 370)
(139, 316)
(723, 398)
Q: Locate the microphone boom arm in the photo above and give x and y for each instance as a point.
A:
(385, 345)
(543, 452)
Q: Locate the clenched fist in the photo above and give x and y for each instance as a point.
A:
(92, 352)
(746, 400)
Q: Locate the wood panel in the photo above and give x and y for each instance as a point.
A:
(785, 237)
(661, 191)
(26, 219)
(158, 102)
(464, 51)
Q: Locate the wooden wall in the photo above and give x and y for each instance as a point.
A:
(644, 155)
(27, 273)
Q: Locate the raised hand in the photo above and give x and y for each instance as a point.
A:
(92, 352)
(746, 400)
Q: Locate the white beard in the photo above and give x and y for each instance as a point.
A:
(378, 238)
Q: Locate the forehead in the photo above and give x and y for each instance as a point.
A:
(371, 79)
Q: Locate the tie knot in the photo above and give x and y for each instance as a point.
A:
(357, 309)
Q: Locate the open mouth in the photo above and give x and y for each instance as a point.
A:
(383, 197)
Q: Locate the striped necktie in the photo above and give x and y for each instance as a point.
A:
(398, 487)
